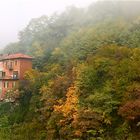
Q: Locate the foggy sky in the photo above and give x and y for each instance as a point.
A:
(15, 14)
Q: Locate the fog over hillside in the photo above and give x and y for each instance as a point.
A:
(85, 78)
(16, 14)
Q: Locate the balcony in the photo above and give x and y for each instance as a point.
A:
(3, 75)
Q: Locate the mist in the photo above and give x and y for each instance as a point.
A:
(16, 14)
(70, 70)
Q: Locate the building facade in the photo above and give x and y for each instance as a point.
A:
(12, 71)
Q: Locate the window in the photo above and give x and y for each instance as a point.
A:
(14, 84)
(16, 63)
(11, 63)
(3, 74)
(10, 66)
(6, 84)
(6, 64)
(15, 74)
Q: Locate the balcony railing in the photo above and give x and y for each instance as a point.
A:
(9, 76)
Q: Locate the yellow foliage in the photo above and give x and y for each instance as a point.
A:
(78, 133)
(70, 105)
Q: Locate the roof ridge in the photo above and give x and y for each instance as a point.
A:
(15, 55)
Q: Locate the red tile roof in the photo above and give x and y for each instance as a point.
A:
(17, 55)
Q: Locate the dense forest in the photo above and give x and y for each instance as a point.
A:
(85, 81)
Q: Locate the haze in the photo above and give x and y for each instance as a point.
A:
(15, 14)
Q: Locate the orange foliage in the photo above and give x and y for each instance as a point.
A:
(131, 110)
(70, 105)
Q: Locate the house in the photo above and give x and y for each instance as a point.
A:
(12, 70)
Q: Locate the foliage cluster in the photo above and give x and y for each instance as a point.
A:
(86, 78)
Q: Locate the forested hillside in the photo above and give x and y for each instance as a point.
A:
(85, 82)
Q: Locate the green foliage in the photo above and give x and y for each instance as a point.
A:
(86, 77)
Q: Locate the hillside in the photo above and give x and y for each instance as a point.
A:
(85, 82)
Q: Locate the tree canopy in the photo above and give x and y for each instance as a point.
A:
(85, 82)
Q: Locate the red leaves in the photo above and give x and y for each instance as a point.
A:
(130, 110)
